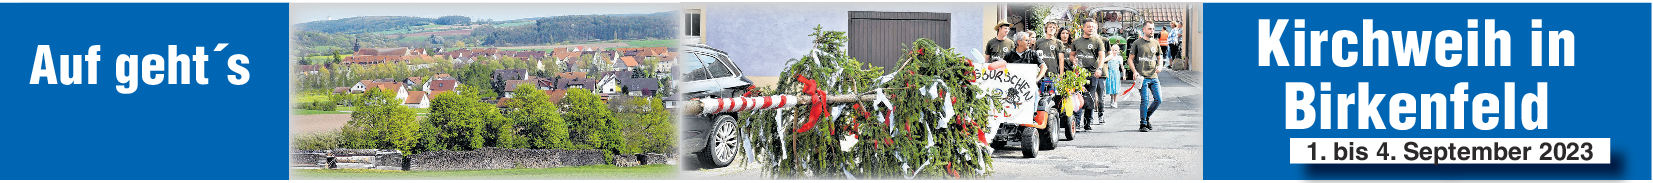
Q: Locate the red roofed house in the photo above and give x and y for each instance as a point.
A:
(397, 87)
(433, 94)
(556, 96)
(629, 63)
(416, 99)
(441, 85)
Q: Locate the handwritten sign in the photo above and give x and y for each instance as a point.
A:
(1016, 86)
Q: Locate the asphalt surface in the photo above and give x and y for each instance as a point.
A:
(1113, 150)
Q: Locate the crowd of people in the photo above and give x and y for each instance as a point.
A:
(1058, 50)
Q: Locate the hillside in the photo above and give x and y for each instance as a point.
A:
(354, 25)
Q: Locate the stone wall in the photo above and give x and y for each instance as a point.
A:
(495, 158)
(651, 158)
(310, 160)
(389, 162)
(629, 160)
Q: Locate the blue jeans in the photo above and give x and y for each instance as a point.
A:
(1148, 106)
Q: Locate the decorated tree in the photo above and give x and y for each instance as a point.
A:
(920, 121)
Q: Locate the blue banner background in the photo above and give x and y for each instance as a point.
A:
(1606, 95)
(167, 131)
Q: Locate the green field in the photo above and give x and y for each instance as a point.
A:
(325, 57)
(581, 172)
(404, 30)
(308, 97)
(652, 43)
(414, 39)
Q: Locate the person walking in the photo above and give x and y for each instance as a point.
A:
(1164, 42)
(1087, 49)
(1175, 40)
(1146, 52)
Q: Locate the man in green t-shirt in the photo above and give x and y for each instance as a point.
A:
(1087, 48)
(1145, 54)
(998, 46)
(1052, 50)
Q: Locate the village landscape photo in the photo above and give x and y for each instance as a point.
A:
(483, 91)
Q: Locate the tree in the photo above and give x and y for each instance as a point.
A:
(539, 121)
(382, 122)
(453, 20)
(336, 57)
(458, 44)
(647, 124)
(592, 124)
(461, 122)
(479, 75)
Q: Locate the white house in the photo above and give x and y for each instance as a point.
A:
(609, 84)
(360, 86)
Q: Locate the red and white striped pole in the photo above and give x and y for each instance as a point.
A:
(738, 104)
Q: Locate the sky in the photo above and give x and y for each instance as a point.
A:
(307, 12)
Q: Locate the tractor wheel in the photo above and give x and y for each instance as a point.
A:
(1047, 140)
(1067, 128)
(1030, 142)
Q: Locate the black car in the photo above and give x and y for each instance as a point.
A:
(707, 73)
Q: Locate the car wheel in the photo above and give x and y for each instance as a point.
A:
(723, 143)
(1030, 142)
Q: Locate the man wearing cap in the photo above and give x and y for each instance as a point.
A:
(1145, 51)
(998, 46)
(1087, 48)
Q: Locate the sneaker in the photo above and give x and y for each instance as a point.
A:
(1115, 104)
(1144, 128)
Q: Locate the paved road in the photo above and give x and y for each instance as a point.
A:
(1114, 150)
